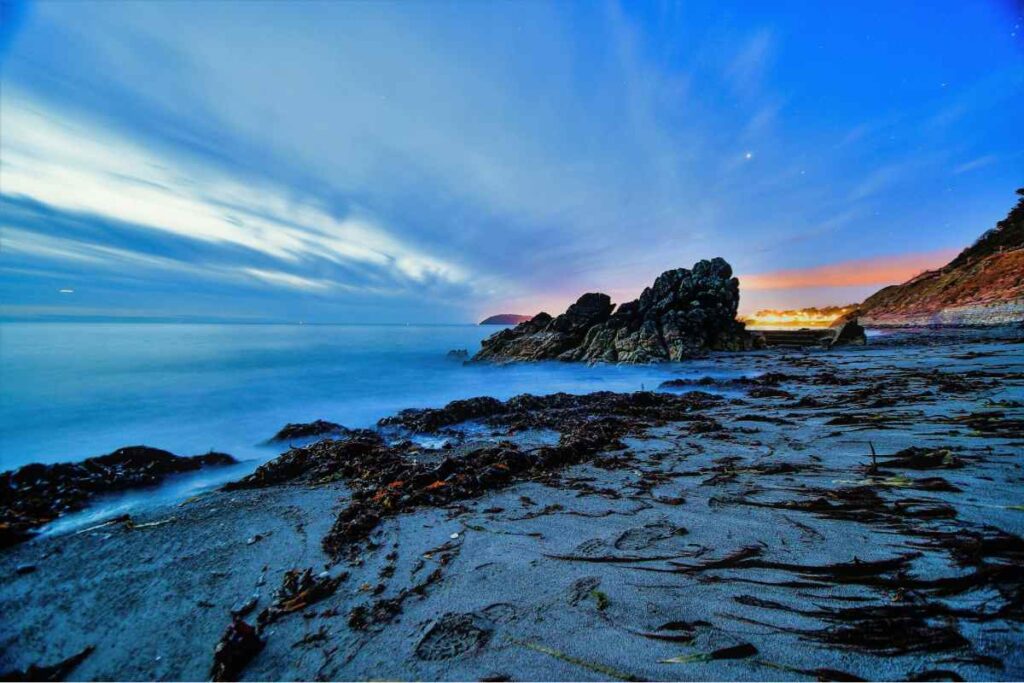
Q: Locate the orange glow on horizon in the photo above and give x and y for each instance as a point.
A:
(880, 271)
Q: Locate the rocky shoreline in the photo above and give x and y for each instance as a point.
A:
(835, 516)
(980, 315)
(37, 494)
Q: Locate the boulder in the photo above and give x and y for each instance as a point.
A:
(683, 314)
(848, 330)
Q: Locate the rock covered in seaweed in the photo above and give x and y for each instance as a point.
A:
(683, 314)
(36, 494)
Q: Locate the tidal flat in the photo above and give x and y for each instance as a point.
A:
(847, 514)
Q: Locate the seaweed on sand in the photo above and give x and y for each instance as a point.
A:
(385, 481)
(990, 423)
(881, 629)
(860, 504)
(917, 458)
(299, 589)
(236, 648)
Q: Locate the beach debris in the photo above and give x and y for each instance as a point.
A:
(299, 589)
(889, 629)
(49, 672)
(990, 423)
(859, 504)
(676, 631)
(917, 458)
(240, 643)
(935, 675)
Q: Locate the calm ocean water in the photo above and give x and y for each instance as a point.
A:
(72, 390)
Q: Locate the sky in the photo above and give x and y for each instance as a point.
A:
(436, 162)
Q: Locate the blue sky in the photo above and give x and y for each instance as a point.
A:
(435, 162)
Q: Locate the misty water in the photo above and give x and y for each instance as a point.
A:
(73, 390)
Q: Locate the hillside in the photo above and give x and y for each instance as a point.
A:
(983, 285)
(505, 319)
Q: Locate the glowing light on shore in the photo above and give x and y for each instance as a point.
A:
(803, 317)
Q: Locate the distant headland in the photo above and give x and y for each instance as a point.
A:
(506, 319)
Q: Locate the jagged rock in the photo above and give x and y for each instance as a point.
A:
(683, 314)
(37, 494)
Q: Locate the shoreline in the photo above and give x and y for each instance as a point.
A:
(712, 543)
(116, 502)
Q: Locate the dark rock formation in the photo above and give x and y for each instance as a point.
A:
(307, 430)
(848, 330)
(36, 494)
(458, 354)
(505, 319)
(981, 286)
(683, 314)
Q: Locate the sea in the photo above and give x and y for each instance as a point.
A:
(69, 391)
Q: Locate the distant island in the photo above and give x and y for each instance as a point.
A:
(506, 319)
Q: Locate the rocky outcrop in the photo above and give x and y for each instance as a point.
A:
(847, 330)
(307, 430)
(505, 319)
(685, 313)
(984, 285)
(37, 494)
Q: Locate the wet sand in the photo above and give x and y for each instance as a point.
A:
(758, 539)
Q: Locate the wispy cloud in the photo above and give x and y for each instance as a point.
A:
(82, 168)
(439, 160)
(975, 164)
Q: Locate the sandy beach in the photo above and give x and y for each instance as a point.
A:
(755, 539)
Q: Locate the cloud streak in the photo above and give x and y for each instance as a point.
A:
(397, 160)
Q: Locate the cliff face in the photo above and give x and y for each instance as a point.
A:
(984, 285)
(683, 314)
